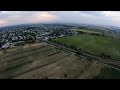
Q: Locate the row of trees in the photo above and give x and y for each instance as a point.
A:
(105, 56)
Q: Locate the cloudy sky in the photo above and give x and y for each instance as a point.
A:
(88, 17)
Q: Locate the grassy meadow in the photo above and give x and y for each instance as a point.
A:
(94, 44)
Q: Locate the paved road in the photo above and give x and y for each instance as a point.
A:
(108, 62)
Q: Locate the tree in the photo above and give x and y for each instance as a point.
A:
(105, 56)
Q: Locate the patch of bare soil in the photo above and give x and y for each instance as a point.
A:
(1, 52)
(11, 49)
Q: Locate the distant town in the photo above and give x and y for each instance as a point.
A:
(12, 36)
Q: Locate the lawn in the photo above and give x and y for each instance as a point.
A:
(94, 44)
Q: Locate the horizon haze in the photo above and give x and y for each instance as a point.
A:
(111, 18)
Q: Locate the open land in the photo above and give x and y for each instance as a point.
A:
(93, 44)
(44, 61)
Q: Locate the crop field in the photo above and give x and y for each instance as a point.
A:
(44, 61)
(89, 31)
(94, 44)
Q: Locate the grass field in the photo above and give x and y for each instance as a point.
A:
(94, 44)
(41, 61)
(89, 31)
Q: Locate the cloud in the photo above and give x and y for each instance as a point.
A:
(111, 13)
(2, 23)
(44, 17)
(23, 17)
(114, 16)
(89, 17)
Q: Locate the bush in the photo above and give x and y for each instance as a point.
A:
(25, 42)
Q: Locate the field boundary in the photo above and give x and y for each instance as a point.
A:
(86, 55)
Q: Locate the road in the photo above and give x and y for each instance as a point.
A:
(107, 62)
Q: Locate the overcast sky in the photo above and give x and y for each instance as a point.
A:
(88, 17)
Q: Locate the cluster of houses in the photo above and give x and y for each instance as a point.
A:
(7, 45)
(10, 36)
(43, 32)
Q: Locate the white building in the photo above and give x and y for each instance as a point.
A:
(6, 45)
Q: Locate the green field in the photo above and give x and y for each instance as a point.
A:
(94, 44)
(90, 31)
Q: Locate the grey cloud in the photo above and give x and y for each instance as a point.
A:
(90, 17)
(96, 13)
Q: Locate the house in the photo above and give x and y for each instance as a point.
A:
(45, 38)
(6, 45)
(61, 35)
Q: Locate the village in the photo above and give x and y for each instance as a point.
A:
(56, 51)
(20, 35)
(12, 36)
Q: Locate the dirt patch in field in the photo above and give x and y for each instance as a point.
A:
(38, 44)
(26, 46)
(11, 49)
(33, 45)
(1, 52)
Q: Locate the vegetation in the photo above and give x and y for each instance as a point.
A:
(108, 73)
(45, 61)
(24, 42)
(93, 44)
(89, 31)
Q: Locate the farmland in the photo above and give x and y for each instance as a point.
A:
(100, 32)
(44, 61)
(93, 44)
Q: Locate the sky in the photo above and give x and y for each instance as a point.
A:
(87, 17)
